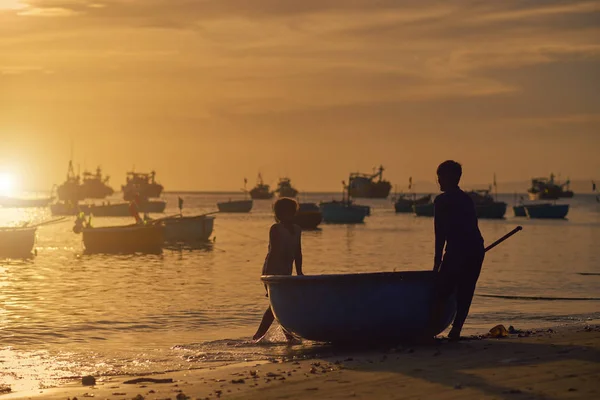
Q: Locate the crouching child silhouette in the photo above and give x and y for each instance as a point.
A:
(284, 250)
(456, 229)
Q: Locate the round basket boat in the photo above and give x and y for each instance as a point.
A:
(358, 308)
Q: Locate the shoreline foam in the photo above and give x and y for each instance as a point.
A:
(562, 362)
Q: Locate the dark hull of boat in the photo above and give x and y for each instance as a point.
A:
(308, 220)
(10, 202)
(547, 211)
(151, 190)
(404, 205)
(235, 206)
(16, 242)
(287, 192)
(107, 210)
(374, 190)
(188, 229)
(519, 211)
(339, 213)
(495, 210)
(424, 210)
(261, 195)
(358, 308)
(125, 239)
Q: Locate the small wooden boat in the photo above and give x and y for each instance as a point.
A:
(147, 238)
(13, 202)
(308, 216)
(342, 212)
(108, 209)
(357, 308)
(235, 206)
(188, 229)
(486, 206)
(547, 211)
(361, 308)
(423, 210)
(404, 204)
(17, 241)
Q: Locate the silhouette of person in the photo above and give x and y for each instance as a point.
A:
(134, 209)
(456, 231)
(285, 249)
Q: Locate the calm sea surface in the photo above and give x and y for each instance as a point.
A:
(66, 314)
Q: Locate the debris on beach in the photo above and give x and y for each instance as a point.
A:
(498, 331)
(5, 389)
(88, 380)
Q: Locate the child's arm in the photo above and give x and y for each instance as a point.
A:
(298, 258)
(440, 237)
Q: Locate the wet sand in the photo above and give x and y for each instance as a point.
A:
(560, 363)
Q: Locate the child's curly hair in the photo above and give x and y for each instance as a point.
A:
(285, 208)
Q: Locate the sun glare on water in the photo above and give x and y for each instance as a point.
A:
(7, 184)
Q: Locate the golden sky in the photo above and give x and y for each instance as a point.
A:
(209, 91)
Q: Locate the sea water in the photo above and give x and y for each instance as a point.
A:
(65, 314)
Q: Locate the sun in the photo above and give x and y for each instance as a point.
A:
(7, 184)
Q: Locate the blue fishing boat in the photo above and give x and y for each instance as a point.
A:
(357, 308)
(423, 210)
(547, 211)
(343, 212)
(486, 206)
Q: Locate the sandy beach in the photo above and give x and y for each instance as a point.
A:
(559, 363)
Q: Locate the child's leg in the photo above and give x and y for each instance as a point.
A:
(464, 295)
(265, 324)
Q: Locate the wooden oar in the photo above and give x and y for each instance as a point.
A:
(26, 224)
(503, 238)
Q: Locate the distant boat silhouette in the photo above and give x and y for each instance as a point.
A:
(261, 191)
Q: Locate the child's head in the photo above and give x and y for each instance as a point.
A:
(449, 173)
(285, 209)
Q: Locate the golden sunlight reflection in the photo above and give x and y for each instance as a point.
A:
(7, 184)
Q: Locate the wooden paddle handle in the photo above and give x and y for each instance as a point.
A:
(503, 238)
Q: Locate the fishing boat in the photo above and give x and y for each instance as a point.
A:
(362, 308)
(142, 184)
(519, 211)
(107, 209)
(235, 206)
(261, 191)
(285, 188)
(188, 229)
(404, 204)
(358, 308)
(309, 216)
(17, 241)
(548, 189)
(139, 238)
(95, 186)
(69, 189)
(423, 210)
(13, 202)
(547, 211)
(369, 186)
(486, 206)
(342, 212)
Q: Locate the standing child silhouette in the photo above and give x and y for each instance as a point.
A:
(456, 230)
(285, 249)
